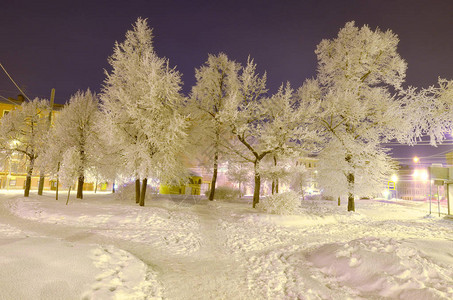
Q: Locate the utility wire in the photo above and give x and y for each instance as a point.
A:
(8, 100)
(14, 82)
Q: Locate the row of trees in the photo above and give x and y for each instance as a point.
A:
(141, 126)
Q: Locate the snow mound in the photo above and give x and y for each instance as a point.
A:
(176, 232)
(122, 276)
(385, 267)
(9, 231)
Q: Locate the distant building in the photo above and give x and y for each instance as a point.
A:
(413, 183)
(311, 179)
(13, 168)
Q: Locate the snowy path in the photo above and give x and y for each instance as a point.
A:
(182, 249)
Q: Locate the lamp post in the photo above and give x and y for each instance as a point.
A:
(395, 179)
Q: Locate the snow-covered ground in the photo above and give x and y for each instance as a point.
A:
(189, 248)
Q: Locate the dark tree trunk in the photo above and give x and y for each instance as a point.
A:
(113, 187)
(58, 181)
(80, 181)
(276, 180)
(143, 192)
(350, 178)
(351, 204)
(256, 192)
(96, 186)
(339, 201)
(27, 184)
(41, 184)
(214, 176)
(28, 180)
(273, 186)
(69, 193)
(137, 190)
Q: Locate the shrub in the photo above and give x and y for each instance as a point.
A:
(281, 204)
(225, 193)
(126, 192)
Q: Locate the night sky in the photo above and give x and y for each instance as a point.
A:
(65, 44)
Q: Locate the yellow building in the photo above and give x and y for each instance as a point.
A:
(310, 181)
(192, 187)
(13, 169)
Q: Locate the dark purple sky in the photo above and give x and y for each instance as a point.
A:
(65, 44)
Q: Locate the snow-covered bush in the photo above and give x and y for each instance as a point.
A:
(281, 204)
(225, 193)
(126, 192)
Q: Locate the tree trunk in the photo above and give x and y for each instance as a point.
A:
(28, 180)
(273, 186)
(214, 176)
(137, 190)
(350, 178)
(113, 187)
(256, 192)
(276, 180)
(339, 201)
(27, 184)
(58, 180)
(41, 184)
(143, 192)
(351, 204)
(96, 186)
(80, 181)
(69, 193)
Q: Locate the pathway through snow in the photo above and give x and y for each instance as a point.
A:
(196, 249)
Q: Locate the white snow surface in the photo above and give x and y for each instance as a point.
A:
(190, 248)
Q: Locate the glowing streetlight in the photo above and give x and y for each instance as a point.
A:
(394, 178)
(416, 159)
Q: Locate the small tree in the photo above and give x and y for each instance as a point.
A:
(23, 130)
(372, 169)
(75, 129)
(240, 173)
(51, 157)
(217, 80)
(266, 125)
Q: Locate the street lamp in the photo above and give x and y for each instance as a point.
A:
(394, 178)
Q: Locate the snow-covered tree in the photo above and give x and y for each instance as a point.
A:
(240, 173)
(266, 125)
(23, 131)
(217, 80)
(299, 177)
(49, 161)
(275, 169)
(141, 98)
(359, 74)
(75, 129)
(430, 111)
(372, 170)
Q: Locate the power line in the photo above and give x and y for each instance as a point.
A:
(8, 100)
(14, 82)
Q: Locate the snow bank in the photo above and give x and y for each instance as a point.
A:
(48, 268)
(122, 276)
(175, 231)
(385, 267)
